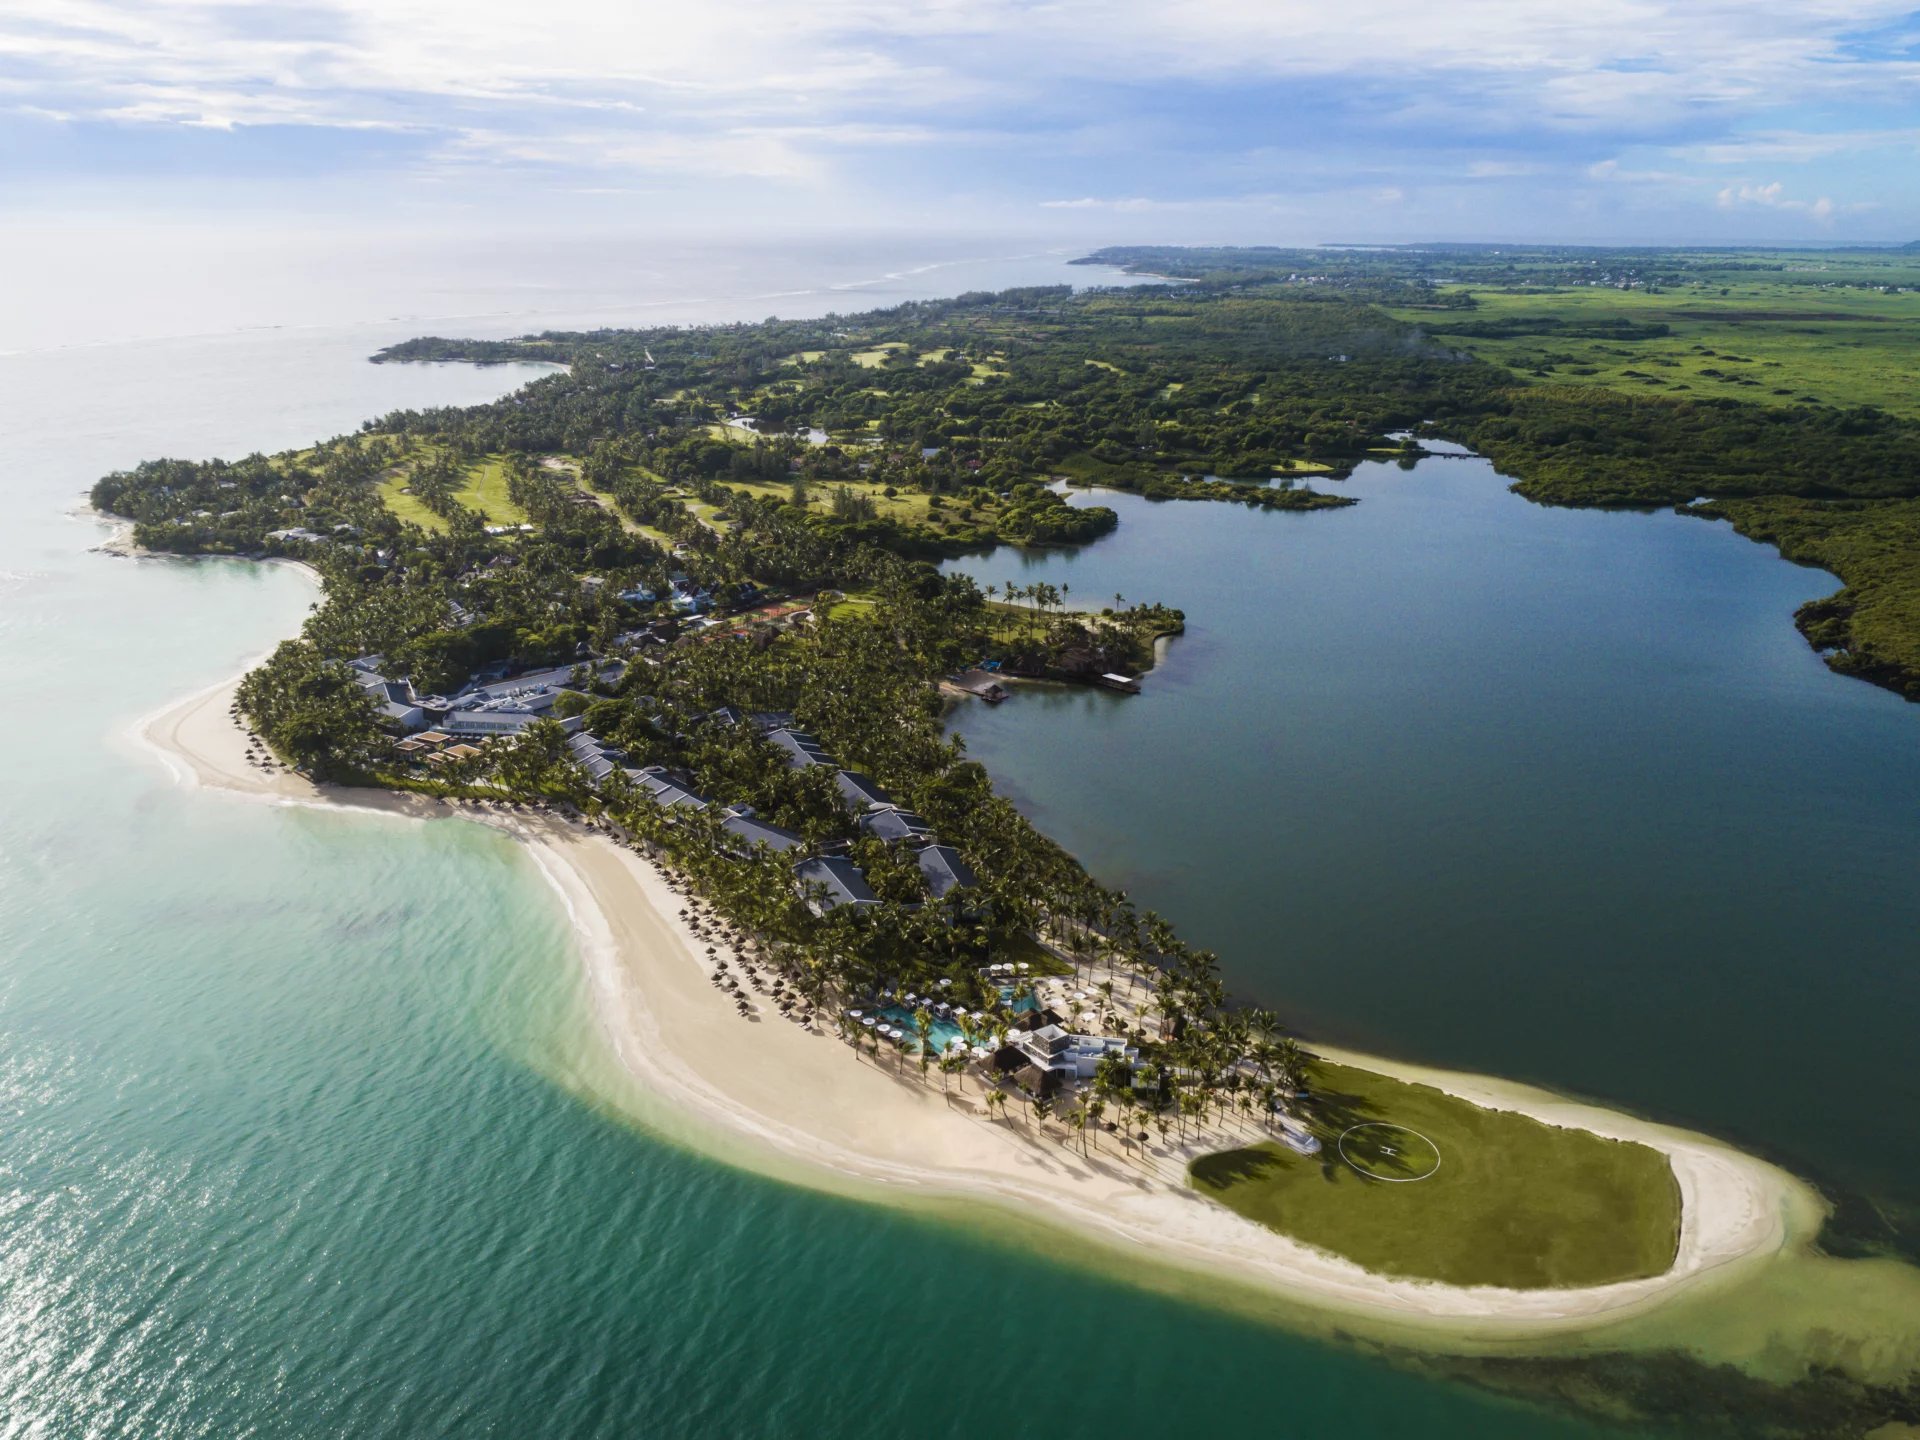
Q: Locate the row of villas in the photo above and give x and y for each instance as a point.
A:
(506, 705)
(829, 881)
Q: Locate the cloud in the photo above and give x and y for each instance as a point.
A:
(1143, 204)
(1614, 171)
(1799, 146)
(1138, 101)
(1773, 196)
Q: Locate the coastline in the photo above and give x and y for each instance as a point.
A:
(802, 1105)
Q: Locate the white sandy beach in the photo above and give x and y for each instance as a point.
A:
(816, 1111)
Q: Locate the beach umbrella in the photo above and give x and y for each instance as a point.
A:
(869, 1022)
(1024, 967)
(856, 1014)
(946, 984)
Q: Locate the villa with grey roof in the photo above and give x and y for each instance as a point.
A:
(749, 830)
(893, 823)
(830, 881)
(861, 791)
(802, 749)
(944, 871)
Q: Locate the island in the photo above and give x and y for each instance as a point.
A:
(671, 616)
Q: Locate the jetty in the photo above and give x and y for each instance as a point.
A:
(981, 684)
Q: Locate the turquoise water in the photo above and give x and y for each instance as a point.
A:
(301, 1135)
(943, 1033)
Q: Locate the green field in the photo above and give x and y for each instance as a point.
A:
(1512, 1202)
(1764, 342)
(879, 355)
(485, 490)
(906, 507)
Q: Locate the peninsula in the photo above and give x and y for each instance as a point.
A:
(668, 616)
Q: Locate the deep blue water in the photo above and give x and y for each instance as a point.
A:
(1555, 794)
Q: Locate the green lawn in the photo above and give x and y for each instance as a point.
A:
(879, 355)
(484, 490)
(1513, 1202)
(908, 507)
(409, 510)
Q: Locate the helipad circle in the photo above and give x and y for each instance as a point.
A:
(1424, 1147)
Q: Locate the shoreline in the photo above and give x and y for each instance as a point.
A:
(805, 1107)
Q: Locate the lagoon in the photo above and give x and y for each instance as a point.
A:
(1554, 794)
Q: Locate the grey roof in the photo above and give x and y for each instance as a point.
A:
(593, 754)
(765, 720)
(945, 871)
(664, 788)
(558, 677)
(487, 722)
(754, 831)
(839, 880)
(802, 749)
(895, 824)
(861, 791)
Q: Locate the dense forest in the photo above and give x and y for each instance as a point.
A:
(935, 428)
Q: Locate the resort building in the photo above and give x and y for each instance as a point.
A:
(860, 791)
(893, 823)
(397, 703)
(1072, 1057)
(748, 830)
(831, 881)
(945, 871)
(593, 755)
(802, 749)
(665, 789)
(508, 705)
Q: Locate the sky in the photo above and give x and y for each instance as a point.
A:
(1599, 121)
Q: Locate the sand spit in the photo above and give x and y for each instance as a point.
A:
(802, 1104)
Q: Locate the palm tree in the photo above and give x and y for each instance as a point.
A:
(996, 1100)
(923, 1025)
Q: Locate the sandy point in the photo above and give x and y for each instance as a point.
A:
(801, 1104)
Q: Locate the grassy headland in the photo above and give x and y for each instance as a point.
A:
(1466, 1195)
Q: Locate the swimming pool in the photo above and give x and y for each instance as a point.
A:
(944, 1032)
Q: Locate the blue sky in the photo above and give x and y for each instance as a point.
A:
(1607, 121)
